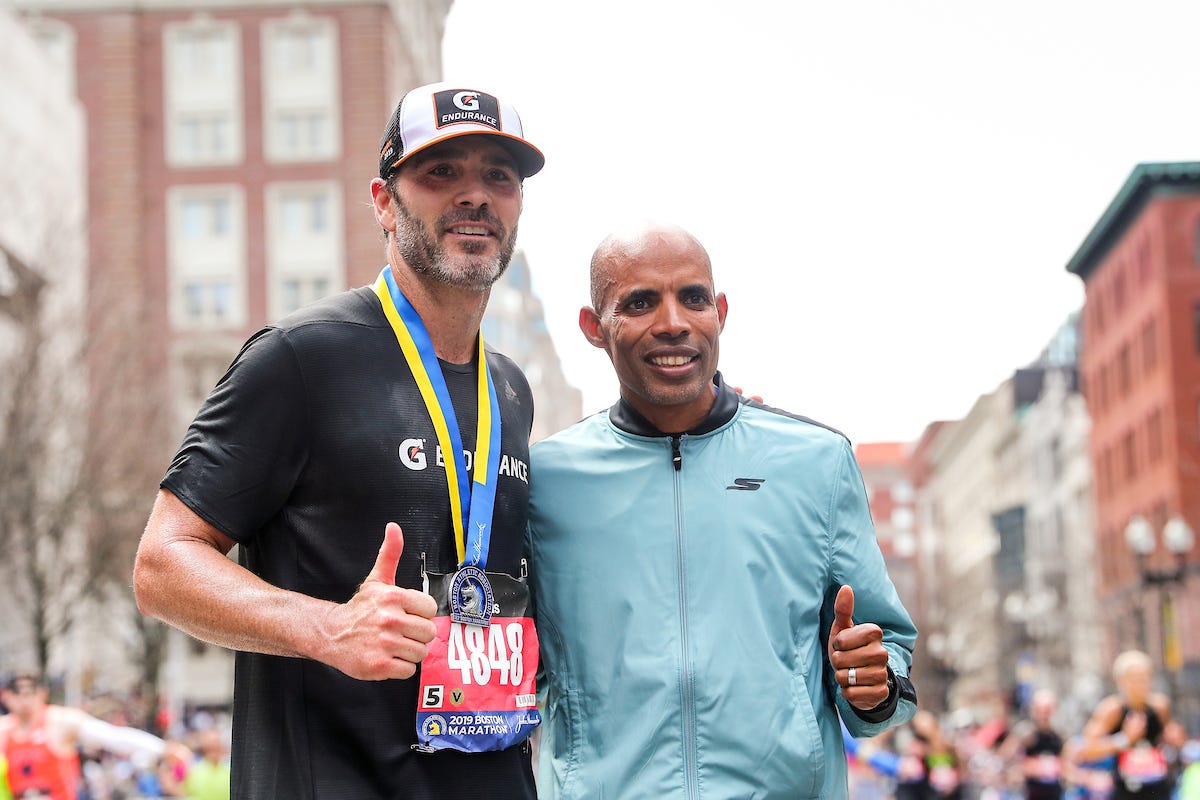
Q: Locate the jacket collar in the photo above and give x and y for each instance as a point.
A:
(626, 418)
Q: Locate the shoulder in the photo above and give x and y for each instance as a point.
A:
(581, 433)
(357, 306)
(325, 332)
(1108, 710)
(1160, 703)
(66, 721)
(798, 424)
(809, 443)
(504, 368)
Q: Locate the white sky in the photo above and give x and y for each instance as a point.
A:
(889, 190)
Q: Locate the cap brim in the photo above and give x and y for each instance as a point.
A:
(529, 159)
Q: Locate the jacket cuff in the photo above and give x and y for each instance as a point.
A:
(885, 709)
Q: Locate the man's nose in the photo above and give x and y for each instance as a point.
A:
(671, 320)
(472, 192)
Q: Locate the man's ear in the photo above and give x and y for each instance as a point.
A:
(589, 323)
(722, 309)
(384, 203)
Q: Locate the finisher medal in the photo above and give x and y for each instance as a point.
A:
(471, 597)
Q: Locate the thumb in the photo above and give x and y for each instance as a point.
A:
(843, 611)
(388, 560)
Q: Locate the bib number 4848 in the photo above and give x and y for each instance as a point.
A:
(476, 651)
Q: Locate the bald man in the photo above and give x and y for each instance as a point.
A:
(702, 561)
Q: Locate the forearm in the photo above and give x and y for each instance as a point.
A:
(195, 588)
(183, 577)
(138, 745)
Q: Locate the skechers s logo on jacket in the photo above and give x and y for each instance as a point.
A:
(747, 484)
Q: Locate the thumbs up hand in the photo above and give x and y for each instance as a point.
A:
(382, 631)
(857, 654)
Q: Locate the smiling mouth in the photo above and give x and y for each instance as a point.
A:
(672, 361)
(466, 230)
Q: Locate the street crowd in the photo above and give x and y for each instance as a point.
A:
(1130, 747)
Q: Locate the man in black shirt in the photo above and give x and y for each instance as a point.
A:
(320, 443)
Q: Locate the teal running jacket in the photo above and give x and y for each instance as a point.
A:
(684, 592)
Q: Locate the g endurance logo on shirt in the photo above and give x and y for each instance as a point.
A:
(455, 106)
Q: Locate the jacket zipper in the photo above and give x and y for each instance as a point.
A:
(688, 701)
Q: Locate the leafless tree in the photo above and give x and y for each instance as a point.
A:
(82, 415)
(42, 485)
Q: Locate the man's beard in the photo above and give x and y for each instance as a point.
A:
(425, 255)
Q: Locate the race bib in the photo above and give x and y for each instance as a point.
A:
(1044, 768)
(1141, 765)
(910, 770)
(943, 778)
(1098, 783)
(477, 683)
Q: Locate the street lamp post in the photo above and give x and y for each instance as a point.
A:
(1178, 538)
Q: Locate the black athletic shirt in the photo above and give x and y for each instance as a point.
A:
(1044, 743)
(1158, 790)
(314, 440)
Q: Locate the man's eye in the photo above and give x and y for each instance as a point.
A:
(500, 175)
(640, 304)
(440, 169)
(697, 299)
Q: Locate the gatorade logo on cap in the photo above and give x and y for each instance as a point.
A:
(456, 106)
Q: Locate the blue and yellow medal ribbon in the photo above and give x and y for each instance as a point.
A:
(471, 519)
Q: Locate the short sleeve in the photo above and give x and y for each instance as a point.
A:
(245, 449)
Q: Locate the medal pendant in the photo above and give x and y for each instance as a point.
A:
(471, 599)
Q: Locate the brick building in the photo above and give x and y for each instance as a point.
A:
(229, 148)
(1140, 369)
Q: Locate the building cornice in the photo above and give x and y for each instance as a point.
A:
(1147, 181)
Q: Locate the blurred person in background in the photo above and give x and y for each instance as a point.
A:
(208, 778)
(41, 742)
(1133, 725)
(1189, 778)
(1036, 747)
(1087, 774)
(5, 794)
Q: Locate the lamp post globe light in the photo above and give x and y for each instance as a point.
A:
(1139, 535)
(1178, 536)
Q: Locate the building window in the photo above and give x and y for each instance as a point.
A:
(304, 244)
(1196, 324)
(1098, 308)
(1154, 436)
(1143, 260)
(1149, 346)
(202, 88)
(207, 254)
(203, 217)
(1123, 370)
(1129, 456)
(301, 89)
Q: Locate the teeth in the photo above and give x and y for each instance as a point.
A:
(471, 231)
(670, 361)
